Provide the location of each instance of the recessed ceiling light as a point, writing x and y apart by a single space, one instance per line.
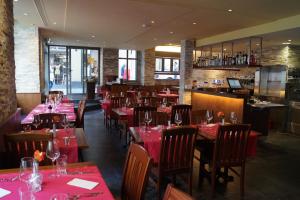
54 23
229 10
144 25
257 44
171 32
289 40
16 0
152 22
25 14
286 43
194 23
224 49
93 36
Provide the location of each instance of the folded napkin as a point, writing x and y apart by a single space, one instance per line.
83 183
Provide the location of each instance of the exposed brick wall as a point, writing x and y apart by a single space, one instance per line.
149 67
110 62
8 102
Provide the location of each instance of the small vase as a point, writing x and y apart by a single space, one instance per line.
36 179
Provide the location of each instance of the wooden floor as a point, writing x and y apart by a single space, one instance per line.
272 174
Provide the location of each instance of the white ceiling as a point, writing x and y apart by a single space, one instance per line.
118 23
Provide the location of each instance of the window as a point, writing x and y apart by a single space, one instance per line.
167 68
127 64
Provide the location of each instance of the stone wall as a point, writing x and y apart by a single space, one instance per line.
149 67
8 102
27 58
110 62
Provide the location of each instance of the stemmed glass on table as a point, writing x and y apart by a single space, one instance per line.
52 151
209 116
164 103
36 121
65 122
148 118
178 118
233 118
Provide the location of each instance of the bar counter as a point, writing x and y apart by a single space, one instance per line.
219 101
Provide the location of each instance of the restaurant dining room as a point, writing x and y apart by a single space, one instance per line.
142 100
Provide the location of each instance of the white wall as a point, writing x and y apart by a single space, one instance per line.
27 58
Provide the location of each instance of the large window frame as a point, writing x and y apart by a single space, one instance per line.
167 70
128 59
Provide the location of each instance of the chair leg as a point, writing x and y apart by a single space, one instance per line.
191 182
158 187
213 182
242 180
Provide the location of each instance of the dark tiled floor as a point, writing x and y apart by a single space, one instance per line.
272 174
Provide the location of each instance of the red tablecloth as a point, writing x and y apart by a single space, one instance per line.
168 95
212 129
70 150
63 108
59 185
105 105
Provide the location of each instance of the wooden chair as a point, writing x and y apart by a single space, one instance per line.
176 154
19 145
184 110
230 151
136 173
139 114
115 102
174 194
80 114
48 119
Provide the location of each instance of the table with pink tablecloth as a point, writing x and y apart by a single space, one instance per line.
62 108
56 185
124 114
105 105
210 131
168 95
71 149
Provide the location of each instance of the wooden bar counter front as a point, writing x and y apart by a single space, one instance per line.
225 102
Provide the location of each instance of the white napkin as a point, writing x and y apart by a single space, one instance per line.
83 183
4 192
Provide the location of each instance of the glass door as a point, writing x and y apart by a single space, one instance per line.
76 71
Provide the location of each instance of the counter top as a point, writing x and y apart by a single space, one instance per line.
266 105
223 94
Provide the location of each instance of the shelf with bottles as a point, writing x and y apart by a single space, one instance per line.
229 55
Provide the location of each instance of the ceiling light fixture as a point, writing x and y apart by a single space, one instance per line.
93 36
289 40
286 43
152 21
194 23
229 10
171 32
54 23
176 49
257 44
25 14
154 39
16 0
224 49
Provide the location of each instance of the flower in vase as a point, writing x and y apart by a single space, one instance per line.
221 115
39 155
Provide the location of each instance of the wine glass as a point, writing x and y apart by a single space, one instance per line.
146 102
178 118
52 152
26 169
209 116
164 103
36 121
127 102
65 122
233 117
147 118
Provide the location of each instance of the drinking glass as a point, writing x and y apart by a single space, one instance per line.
164 103
36 121
233 117
61 165
52 152
25 193
146 102
26 169
127 102
65 122
209 116
178 118
148 118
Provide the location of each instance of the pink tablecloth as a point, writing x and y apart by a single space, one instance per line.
105 104
64 108
59 185
71 150
168 95
212 129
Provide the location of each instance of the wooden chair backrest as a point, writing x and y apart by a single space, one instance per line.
48 119
80 114
136 173
184 110
139 114
197 116
175 194
116 102
177 148
152 101
231 145
24 144
162 118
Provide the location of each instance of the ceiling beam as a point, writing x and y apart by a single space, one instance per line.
275 26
